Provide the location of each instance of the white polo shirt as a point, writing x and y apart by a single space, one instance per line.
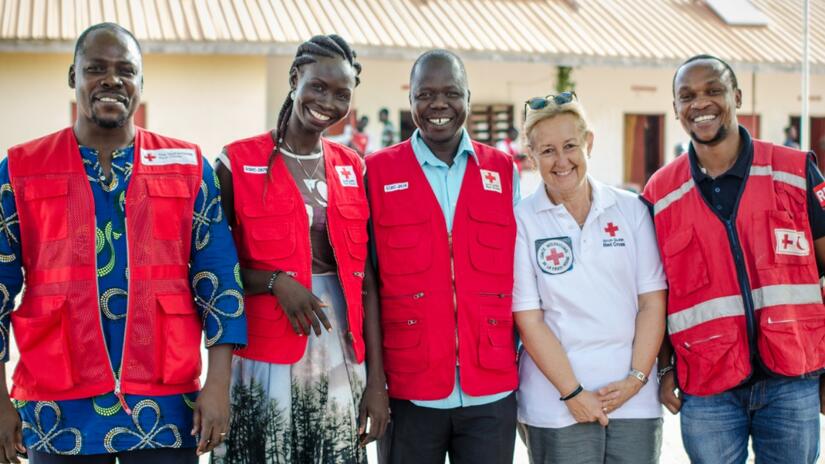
587 282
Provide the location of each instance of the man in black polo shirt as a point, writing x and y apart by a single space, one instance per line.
740 227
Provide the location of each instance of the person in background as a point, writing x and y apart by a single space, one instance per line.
791 137
301 390
510 145
446 276
589 304
360 139
110 324
387 130
741 228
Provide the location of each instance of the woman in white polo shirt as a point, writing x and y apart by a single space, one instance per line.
589 302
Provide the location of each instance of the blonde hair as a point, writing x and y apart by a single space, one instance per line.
573 107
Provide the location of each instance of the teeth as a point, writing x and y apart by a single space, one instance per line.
707 117
318 115
109 100
562 173
439 121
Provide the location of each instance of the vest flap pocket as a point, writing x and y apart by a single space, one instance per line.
278 231
793 338
405 237
181 304
41 332
685 263
496 344
402 217
492 239
786 241
404 347
482 212
45 188
402 334
711 358
353 210
358 234
677 242
276 208
167 187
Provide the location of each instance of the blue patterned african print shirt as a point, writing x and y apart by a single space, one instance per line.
100 425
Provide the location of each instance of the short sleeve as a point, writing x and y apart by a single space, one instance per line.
650 276
525 286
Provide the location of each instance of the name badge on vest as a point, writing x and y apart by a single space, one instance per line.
397 186
791 242
254 169
347 176
164 156
491 180
554 255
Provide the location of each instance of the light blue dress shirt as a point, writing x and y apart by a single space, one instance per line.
446 184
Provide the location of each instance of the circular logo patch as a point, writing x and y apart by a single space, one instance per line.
554 255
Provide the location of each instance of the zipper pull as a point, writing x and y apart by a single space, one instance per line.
121 398
418 295
358 274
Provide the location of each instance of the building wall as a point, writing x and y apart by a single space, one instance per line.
210 100
215 99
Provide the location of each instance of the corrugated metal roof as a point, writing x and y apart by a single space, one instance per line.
567 31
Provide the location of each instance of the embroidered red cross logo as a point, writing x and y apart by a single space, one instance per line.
611 229
490 177
345 173
554 256
150 157
786 241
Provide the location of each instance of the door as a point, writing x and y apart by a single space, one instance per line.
644 147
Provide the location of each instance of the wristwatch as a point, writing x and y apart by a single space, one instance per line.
663 371
639 375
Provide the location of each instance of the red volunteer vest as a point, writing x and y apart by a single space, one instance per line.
271 232
57 326
430 316
718 314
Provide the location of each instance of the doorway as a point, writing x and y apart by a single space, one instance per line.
644 147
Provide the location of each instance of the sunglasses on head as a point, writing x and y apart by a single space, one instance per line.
537 103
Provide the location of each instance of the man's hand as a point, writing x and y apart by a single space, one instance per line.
586 407
668 395
375 405
303 309
11 433
614 395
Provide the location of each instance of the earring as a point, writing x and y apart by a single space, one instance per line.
292 95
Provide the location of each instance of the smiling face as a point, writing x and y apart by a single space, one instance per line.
107 77
323 92
705 101
561 148
439 99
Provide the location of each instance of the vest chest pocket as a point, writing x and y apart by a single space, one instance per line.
45 204
355 216
41 331
685 264
781 240
404 247
491 248
169 201
179 337
270 232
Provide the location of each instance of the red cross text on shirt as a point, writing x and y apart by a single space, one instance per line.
611 229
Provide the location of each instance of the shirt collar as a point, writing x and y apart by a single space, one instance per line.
426 156
603 198
739 169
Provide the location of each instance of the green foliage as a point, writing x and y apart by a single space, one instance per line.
564 82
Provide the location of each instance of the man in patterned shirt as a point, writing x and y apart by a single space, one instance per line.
109 327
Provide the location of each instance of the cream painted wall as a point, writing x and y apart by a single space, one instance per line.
212 100
204 99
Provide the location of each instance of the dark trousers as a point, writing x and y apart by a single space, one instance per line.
482 434
153 456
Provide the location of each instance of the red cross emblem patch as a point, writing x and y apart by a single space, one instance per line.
554 255
347 176
791 242
491 180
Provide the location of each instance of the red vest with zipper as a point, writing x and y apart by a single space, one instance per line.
710 324
444 297
57 326
271 232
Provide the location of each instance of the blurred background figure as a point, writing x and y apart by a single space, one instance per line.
387 129
791 137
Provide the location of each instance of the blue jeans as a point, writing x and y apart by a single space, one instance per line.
781 415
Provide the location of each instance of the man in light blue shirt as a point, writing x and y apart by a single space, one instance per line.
472 429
